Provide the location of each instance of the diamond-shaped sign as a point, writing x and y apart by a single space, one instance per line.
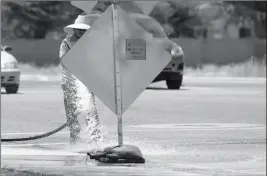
92 60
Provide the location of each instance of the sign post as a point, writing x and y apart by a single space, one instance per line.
118 102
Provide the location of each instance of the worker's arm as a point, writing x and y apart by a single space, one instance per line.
64 48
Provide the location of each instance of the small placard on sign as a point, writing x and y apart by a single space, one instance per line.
135 49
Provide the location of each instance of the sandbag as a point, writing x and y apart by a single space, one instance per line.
118 154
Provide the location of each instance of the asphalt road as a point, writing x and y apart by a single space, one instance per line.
212 126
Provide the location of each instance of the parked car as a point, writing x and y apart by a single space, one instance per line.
173 72
10 72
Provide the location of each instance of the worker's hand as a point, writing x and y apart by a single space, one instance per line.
118 154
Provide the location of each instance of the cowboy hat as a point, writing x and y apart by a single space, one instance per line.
81 22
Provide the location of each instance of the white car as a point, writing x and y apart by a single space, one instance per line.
10 72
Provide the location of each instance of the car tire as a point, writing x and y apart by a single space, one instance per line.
12 89
175 84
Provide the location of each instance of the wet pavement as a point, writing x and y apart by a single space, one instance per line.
210 127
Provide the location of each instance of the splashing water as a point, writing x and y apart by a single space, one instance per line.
90 114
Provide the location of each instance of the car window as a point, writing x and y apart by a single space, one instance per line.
151 26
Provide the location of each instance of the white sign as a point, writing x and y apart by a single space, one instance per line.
135 49
92 61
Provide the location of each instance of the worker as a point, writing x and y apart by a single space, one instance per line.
72 87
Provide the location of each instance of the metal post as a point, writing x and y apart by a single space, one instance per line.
117 69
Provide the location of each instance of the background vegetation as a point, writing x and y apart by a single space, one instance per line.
36 19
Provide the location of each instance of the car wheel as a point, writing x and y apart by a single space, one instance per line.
10 89
175 84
